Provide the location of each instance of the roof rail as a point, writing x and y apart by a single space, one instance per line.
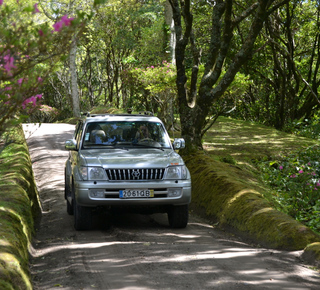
146 113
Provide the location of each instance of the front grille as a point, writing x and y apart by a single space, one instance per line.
135 174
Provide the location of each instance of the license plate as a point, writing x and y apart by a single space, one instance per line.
136 193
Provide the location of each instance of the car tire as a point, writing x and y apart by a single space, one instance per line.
178 216
82 217
67 194
69 208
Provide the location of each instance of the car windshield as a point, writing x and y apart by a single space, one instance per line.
125 134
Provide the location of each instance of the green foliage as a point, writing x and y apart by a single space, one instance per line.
155 79
228 159
306 128
295 179
155 88
284 70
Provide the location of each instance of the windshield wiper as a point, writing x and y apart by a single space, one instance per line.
103 146
147 146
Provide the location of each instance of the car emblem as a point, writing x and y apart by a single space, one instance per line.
135 173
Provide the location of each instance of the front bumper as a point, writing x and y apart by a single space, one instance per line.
111 193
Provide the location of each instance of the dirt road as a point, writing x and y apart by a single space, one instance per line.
141 252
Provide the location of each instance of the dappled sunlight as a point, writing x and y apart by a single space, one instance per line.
182 236
129 264
9 211
230 136
263 210
13 266
241 193
72 246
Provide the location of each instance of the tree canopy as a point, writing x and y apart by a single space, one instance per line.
253 60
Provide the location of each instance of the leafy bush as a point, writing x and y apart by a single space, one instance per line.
45 114
295 179
306 128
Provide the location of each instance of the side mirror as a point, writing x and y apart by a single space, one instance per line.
179 143
71 144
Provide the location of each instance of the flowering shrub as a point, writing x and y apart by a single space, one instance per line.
296 182
29 51
44 114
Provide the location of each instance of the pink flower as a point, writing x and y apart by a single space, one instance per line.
36 10
32 100
40 80
280 167
66 20
317 184
40 32
315 188
300 171
20 81
1 2
9 64
293 176
58 26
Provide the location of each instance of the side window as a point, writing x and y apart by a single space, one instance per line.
79 124
78 133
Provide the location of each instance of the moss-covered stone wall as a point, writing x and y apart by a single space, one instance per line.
229 197
19 207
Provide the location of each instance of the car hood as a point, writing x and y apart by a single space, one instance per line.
133 158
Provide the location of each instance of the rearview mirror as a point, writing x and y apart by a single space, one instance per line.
179 143
71 144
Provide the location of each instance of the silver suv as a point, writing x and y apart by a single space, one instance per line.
125 162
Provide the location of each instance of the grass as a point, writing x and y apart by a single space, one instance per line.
245 141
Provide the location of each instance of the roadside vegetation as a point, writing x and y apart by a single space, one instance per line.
19 209
286 165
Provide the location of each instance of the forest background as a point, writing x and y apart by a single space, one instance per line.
187 62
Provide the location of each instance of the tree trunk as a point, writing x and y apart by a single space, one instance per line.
169 21
195 110
73 74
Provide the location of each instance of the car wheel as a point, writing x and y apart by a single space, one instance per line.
69 208
82 217
67 194
178 216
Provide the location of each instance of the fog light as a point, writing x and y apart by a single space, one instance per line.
96 193
174 192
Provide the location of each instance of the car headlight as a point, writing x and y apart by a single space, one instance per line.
93 173
176 172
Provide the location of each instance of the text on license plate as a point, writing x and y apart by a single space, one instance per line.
135 193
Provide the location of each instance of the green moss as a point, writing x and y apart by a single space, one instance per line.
19 206
231 197
311 254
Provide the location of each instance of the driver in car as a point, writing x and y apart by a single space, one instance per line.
142 133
